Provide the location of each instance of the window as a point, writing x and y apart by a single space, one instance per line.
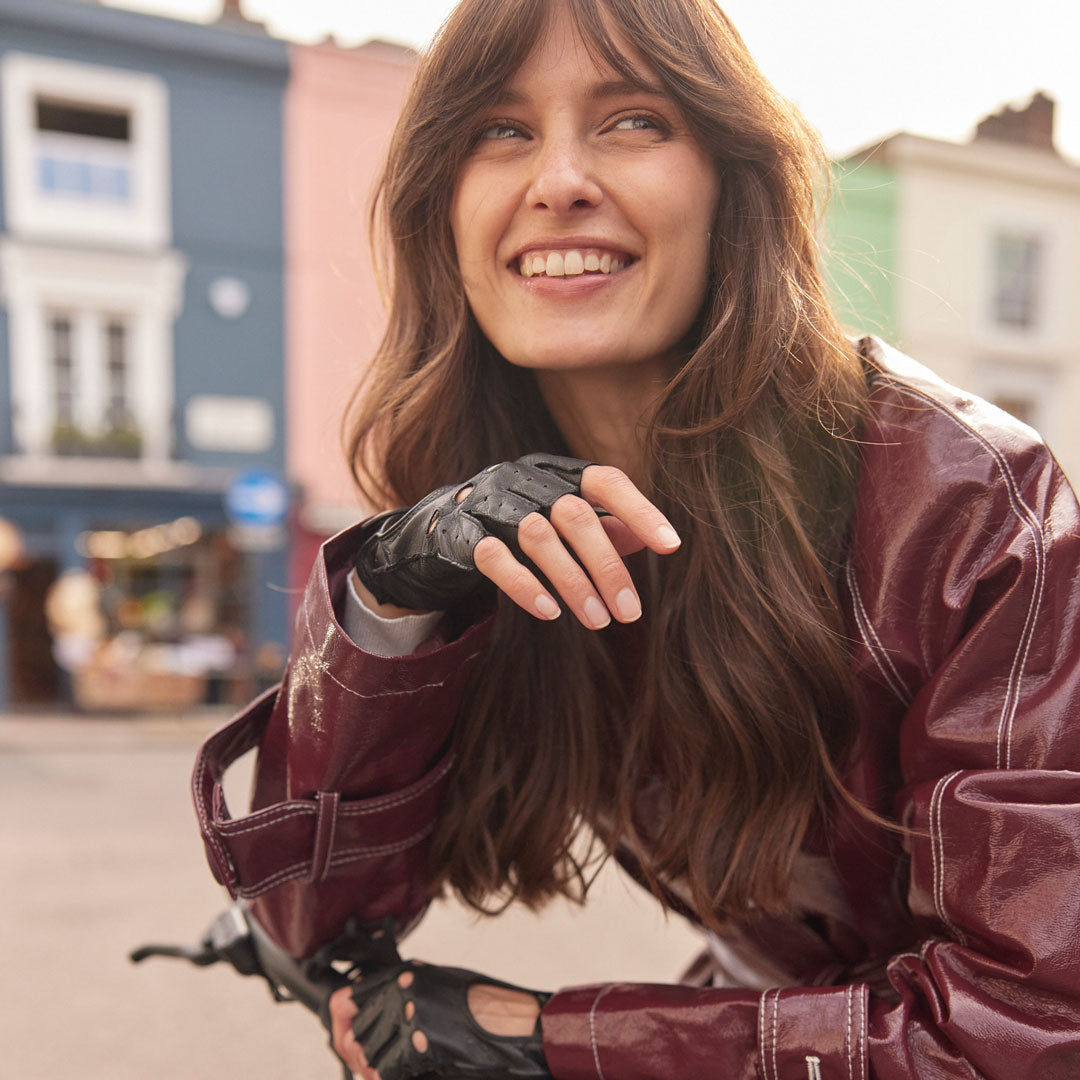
92 413
91 349
1017 279
85 152
63 370
118 413
1026 389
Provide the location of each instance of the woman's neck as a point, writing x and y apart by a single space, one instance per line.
602 412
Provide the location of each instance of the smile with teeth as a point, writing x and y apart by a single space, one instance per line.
571 263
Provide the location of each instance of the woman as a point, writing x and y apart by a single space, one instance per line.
813 687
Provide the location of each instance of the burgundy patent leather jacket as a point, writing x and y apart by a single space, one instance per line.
952 952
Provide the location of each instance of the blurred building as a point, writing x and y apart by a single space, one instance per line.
340 110
141 354
967 255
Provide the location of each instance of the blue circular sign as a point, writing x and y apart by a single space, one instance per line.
257 497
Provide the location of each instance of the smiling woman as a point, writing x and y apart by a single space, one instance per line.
576 250
811 690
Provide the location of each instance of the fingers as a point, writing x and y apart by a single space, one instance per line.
622 539
598 586
494 560
594 588
611 488
579 553
342 1011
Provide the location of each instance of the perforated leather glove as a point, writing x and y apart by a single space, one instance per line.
422 558
457 1045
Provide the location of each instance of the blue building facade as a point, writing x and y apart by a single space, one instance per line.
141 356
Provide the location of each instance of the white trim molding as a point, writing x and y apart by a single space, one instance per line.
141 217
91 287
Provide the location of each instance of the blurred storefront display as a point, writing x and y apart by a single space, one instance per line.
158 620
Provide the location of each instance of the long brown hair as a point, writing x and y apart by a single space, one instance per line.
709 755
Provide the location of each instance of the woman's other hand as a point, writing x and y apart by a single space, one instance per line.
342 1011
387 1013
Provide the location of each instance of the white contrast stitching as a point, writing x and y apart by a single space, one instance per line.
866 627
208 830
938 853
324 668
592 1029
761 1033
864 1019
813 1067
319 850
249 892
273 815
386 802
848 1038
1028 517
775 1019
229 828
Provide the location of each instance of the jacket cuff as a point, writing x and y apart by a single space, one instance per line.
352 721
642 1031
628 1031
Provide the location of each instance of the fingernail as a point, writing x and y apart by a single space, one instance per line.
547 607
628 606
668 537
596 613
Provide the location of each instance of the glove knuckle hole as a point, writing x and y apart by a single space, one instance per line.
434 521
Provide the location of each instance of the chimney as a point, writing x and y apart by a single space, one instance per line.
1031 126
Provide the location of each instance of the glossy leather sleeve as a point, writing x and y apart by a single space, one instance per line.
965 603
354 753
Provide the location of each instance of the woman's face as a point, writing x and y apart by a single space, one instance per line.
582 215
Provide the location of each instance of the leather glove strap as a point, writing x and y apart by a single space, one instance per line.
422 558
457 1045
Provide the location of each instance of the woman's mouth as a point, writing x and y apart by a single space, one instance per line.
572 263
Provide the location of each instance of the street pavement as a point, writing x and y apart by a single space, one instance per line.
99 853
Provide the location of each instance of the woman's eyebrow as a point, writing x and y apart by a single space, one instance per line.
621 87
600 91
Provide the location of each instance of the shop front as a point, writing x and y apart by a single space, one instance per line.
144 602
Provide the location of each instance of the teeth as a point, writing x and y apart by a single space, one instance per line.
574 264
570 263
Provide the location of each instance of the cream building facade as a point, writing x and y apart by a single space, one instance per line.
986 265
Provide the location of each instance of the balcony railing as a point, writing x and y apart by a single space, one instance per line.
122 441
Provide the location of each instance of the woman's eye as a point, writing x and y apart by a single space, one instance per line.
500 130
637 123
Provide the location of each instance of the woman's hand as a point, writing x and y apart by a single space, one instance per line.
596 585
540 507
414 1019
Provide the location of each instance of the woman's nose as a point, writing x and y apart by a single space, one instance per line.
563 178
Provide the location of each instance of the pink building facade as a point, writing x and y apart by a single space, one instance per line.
340 110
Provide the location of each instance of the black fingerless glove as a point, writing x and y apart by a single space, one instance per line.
423 557
457 1045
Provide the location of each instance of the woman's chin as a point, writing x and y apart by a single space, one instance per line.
558 357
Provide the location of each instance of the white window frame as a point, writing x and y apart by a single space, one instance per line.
144 219
93 286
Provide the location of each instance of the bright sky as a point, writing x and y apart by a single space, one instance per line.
859 70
